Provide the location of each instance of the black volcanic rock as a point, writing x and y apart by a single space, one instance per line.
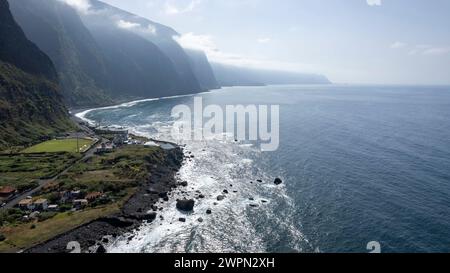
100 249
220 198
186 205
149 216
278 181
117 222
163 194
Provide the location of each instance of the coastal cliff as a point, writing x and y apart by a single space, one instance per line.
31 106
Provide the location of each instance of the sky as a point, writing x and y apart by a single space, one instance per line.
349 41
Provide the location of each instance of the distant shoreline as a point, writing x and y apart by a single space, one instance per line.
80 113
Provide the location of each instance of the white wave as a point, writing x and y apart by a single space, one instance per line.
82 115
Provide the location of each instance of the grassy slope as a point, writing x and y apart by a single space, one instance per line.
16 170
23 236
30 108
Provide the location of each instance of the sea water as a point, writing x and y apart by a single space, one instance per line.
358 164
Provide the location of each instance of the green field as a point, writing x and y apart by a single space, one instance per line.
18 170
61 145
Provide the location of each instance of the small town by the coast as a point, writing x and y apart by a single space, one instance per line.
61 183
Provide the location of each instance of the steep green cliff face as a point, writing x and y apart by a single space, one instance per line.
31 107
59 32
99 62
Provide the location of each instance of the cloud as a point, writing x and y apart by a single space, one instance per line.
436 51
136 26
151 28
127 25
197 42
263 40
206 44
429 50
398 45
80 5
373 2
171 9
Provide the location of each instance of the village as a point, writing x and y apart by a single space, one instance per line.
90 182
98 140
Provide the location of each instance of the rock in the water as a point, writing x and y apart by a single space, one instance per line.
163 194
278 181
185 205
251 199
100 249
220 197
254 205
201 196
182 219
259 180
184 183
225 191
149 216
208 211
166 199
200 220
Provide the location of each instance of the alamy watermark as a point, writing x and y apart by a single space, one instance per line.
247 123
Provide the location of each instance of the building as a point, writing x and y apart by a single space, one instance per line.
120 134
7 192
53 207
26 204
105 148
64 197
75 194
92 196
41 204
80 203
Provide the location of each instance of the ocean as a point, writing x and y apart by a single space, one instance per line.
359 164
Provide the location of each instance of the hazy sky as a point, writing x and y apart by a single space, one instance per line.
350 41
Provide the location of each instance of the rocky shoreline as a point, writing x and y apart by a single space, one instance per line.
141 207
